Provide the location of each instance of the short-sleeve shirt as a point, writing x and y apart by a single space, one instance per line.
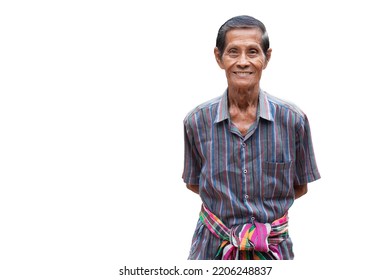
248 177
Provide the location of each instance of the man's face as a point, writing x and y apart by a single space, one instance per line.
243 59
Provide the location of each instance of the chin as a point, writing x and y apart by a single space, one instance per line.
243 85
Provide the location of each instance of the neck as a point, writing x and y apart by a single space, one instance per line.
243 99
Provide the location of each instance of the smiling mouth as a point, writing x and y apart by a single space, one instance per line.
243 74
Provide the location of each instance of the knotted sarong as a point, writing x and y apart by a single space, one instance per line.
252 241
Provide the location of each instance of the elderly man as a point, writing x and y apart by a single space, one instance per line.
248 155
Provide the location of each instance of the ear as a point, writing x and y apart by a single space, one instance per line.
267 57
218 58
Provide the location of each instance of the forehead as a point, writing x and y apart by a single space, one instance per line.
246 36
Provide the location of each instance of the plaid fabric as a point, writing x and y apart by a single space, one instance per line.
254 241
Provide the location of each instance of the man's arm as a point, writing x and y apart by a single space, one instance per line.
300 190
194 188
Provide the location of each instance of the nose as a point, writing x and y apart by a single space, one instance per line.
242 60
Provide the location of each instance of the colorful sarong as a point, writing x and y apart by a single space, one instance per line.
254 241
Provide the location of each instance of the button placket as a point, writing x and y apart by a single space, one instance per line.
244 168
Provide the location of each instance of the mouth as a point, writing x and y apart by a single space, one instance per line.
243 73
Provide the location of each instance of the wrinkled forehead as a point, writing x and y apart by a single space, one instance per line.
243 36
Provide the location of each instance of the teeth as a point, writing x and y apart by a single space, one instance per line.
243 73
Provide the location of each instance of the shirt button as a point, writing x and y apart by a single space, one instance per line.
253 218
243 144
246 196
245 171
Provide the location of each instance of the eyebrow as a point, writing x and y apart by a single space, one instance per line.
250 45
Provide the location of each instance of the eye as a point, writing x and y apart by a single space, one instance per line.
253 52
233 52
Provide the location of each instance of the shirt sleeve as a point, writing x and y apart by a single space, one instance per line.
192 166
306 170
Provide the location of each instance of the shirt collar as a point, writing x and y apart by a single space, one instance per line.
222 109
263 109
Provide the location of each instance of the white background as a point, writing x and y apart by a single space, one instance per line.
92 98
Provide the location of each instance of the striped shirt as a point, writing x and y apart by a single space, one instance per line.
243 178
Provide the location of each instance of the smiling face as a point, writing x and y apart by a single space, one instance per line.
243 59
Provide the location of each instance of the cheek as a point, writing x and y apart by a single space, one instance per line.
228 63
260 64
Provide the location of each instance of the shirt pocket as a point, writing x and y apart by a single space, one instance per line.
277 180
